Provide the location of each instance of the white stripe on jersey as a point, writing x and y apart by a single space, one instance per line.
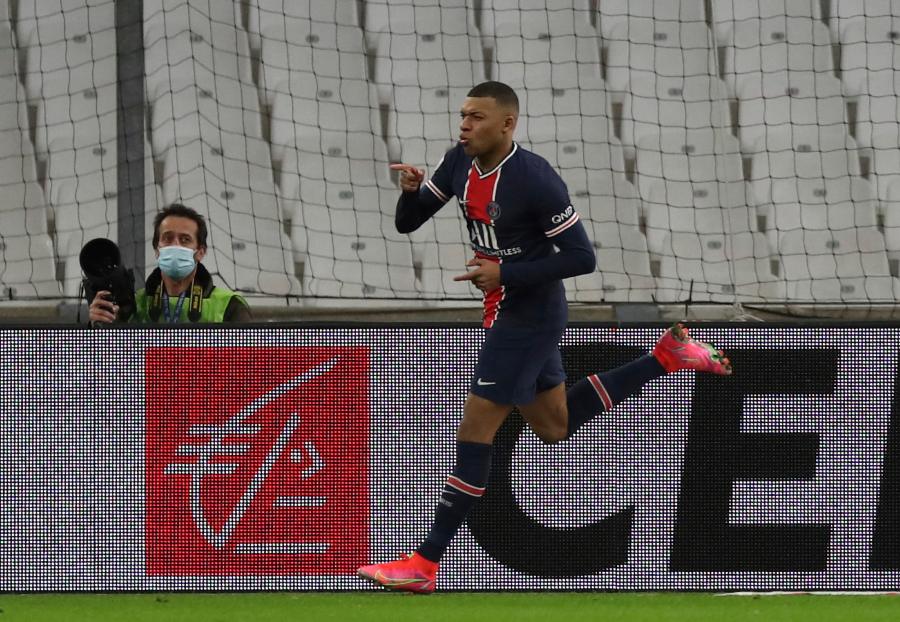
562 227
434 189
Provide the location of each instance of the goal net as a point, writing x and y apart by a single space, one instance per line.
717 151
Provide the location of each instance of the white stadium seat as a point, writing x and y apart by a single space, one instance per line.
710 207
8 60
727 13
694 155
216 109
613 13
175 60
774 101
777 44
847 13
350 247
803 151
69 51
76 120
623 266
869 54
836 266
297 52
642 49
840 204
406 57
716 268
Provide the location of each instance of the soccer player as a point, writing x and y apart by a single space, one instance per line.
518 214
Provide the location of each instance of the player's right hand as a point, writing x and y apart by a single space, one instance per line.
102 309
410 177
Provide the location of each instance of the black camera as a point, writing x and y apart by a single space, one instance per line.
101 262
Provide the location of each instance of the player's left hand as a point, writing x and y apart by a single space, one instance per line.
485 276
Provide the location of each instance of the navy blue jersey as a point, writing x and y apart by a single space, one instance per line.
517 214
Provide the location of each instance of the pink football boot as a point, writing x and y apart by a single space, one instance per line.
412 573
676 350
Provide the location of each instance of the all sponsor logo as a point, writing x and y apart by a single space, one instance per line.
256 460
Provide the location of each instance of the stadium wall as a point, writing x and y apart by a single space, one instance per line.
283 458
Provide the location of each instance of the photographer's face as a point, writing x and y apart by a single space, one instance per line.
180 231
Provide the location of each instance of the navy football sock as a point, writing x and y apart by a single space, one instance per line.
461 490
600 392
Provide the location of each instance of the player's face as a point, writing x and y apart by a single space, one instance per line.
485 126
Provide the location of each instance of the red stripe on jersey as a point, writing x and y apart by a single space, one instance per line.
491 299
492 302
480 192
460 485
601 391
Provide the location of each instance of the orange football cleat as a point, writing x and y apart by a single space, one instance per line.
411 573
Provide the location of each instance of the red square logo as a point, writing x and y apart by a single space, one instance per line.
257 460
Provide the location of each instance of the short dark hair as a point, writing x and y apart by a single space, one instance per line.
177 209
503 93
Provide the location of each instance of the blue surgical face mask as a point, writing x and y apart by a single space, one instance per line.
176 262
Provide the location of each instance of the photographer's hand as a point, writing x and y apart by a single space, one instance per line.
103 310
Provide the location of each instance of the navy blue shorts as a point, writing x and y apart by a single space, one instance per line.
515 364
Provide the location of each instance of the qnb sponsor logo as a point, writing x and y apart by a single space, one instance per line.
563 216
264 470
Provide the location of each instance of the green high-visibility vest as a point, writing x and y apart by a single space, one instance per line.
212 308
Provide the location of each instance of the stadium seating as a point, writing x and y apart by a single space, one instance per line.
623 266
27 259
297 50
777 44
727 13
643 50
868 54
776 101
845 14
892 227
613 13
278 120
713 267
352 249
841 204
8 68
66 51
802 151
836 266
175 59
710 207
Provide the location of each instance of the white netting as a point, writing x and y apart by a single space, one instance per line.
723 151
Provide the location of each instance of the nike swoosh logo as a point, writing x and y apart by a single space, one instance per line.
397 582
482 383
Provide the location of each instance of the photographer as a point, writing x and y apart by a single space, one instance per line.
180 289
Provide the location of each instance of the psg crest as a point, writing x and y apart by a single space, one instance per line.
493 210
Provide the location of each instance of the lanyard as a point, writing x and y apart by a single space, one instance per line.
171 319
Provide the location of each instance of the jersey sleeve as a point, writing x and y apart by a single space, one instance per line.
415 208
555 210
440 183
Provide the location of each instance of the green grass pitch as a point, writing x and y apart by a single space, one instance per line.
464 607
